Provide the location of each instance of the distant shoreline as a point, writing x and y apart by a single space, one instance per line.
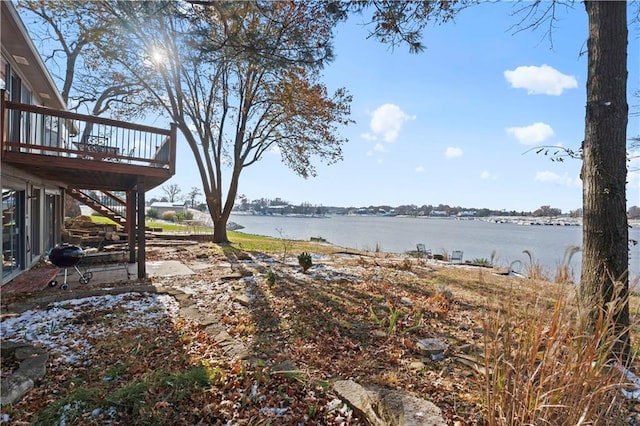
514 220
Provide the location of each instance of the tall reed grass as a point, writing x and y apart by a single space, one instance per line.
564 272
543 367
535 270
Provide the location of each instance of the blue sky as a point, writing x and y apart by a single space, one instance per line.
455 124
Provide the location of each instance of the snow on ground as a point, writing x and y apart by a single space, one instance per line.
66 328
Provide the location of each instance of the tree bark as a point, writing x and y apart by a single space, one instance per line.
220 231
605 235
219 219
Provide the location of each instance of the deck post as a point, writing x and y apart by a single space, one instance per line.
131 224
142 269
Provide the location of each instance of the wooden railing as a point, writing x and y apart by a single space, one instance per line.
38 130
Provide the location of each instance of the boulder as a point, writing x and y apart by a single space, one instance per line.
432 347
383 407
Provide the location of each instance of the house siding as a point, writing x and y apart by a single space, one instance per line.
31 207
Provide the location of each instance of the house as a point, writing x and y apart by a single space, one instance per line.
48 153
167 206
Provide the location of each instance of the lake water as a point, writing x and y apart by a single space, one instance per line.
476 238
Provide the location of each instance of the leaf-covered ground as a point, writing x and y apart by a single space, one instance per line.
140 359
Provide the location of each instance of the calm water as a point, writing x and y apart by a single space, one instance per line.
477 239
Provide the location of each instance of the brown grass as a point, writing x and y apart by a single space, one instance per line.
544 367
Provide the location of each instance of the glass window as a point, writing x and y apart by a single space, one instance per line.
12 231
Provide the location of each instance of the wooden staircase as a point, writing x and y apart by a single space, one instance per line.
110 206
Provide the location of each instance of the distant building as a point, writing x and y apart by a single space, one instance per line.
166 206
467 213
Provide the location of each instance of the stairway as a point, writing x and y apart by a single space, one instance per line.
110 206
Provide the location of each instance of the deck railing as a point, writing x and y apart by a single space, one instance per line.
38 130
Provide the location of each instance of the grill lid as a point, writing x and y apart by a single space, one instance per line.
65 255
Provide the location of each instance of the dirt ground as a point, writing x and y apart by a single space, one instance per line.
354 316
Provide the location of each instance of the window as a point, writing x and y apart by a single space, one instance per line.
12 231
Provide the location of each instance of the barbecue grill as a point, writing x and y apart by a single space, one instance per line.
66 256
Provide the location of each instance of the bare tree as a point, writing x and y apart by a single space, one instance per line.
172 192
193 194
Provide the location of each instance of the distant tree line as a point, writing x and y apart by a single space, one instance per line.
266 205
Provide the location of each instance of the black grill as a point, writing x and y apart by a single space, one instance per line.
66 256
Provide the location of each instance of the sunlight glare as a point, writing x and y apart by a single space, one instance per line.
158 56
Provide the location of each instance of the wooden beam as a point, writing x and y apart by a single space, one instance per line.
142 268
131 224
173 146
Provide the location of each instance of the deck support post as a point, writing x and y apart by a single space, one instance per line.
131 222
142 269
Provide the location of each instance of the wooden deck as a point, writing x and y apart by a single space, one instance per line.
84 151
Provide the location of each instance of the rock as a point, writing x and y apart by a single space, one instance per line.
242 299
432 347
32 368
382 407
8 348
233 276
230 346
14 388
416 365
191 312
232 226
25 352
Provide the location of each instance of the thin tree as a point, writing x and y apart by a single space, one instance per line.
193 194
172 192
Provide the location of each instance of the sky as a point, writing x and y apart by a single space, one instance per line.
457 124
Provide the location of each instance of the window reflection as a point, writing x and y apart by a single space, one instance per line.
11 213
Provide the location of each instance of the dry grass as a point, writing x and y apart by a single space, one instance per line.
545 367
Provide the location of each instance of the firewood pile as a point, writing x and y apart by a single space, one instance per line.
83 231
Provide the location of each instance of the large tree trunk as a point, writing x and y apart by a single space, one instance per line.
220 231
605 259
218 218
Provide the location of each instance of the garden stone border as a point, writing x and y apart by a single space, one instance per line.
33 366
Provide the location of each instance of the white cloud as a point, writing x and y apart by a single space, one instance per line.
543 80
547 176
533 134
419 169
368 137
486 175
378 147
387 121
453 152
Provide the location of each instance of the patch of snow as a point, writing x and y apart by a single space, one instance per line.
277 411
61 329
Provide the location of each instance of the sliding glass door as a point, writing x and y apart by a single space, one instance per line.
13 229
